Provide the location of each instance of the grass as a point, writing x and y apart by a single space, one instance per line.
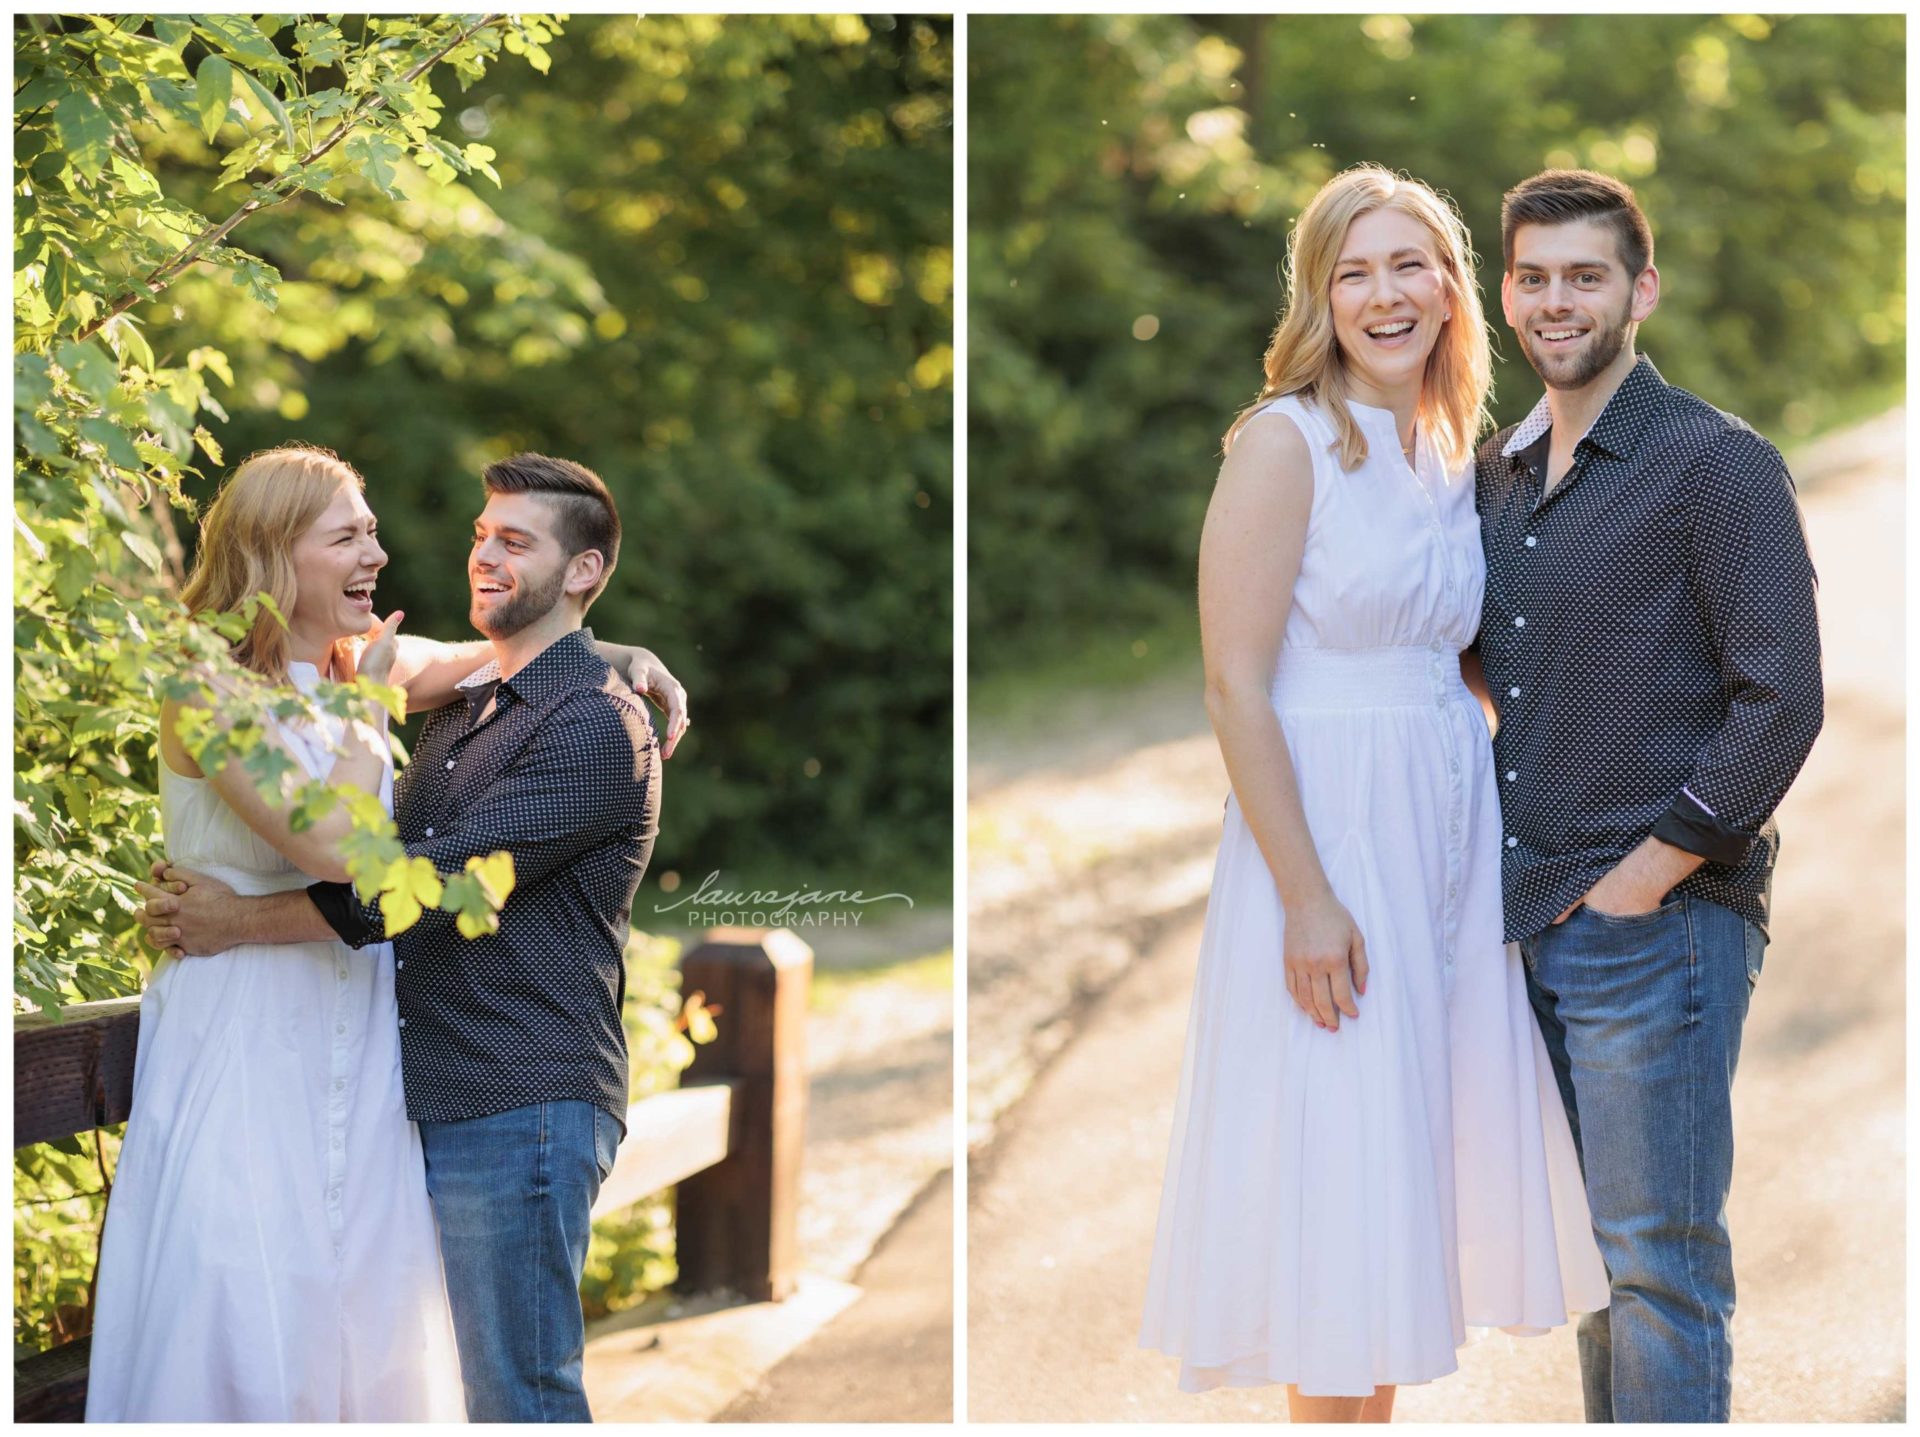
1018 693
833 987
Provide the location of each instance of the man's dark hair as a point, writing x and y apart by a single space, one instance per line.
1554 197
583 513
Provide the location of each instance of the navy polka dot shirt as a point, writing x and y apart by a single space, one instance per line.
1650 640
565 776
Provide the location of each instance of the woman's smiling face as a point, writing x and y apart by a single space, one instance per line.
1389 300
336 562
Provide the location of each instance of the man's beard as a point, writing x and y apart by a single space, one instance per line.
527 606
1603 347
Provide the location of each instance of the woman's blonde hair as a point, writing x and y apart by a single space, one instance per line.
247 538
1304 356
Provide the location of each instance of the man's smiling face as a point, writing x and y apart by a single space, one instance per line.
1571 300
517 571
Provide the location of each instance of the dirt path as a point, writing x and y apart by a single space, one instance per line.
889 1357
1084 932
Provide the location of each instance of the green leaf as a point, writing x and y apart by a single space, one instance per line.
112 438
43 89
133 344
375 155
495 873
276 109
206 441
259 280
90 367
40 441
240 37
85 132
173 31
319 42
423 881
142 548
213 92
480 157
74 576
32 383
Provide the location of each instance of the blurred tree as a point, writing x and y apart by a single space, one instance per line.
720 274
1131 183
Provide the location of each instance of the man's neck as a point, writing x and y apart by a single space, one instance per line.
517 651
1574 410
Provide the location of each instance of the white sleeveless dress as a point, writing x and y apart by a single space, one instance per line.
1340 1208
269 1252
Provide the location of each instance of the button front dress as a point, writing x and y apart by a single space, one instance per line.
1339 1209
269 1253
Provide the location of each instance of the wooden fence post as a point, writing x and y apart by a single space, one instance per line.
736 1222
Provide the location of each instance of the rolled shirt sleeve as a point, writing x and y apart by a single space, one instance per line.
1754 583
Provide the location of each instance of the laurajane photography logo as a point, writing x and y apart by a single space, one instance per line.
710 905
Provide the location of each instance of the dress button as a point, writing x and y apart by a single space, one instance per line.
1519 621
338 1084
339 1027
1531 541
449 763
1513 693
1511 843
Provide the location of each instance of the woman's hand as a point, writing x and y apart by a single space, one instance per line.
1326 960
651 679
383 647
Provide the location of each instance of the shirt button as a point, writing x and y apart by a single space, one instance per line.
1511 775
1513 693
403 1021
1511 843
449 763
1519 621
1531 541
429 833
400 963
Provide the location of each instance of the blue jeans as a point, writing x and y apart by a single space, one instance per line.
1642 1017
512 1193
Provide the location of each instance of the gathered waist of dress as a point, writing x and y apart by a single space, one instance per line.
1393 677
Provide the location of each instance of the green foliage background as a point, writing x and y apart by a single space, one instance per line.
1131 166
709 257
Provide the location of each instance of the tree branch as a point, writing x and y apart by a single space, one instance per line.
173 268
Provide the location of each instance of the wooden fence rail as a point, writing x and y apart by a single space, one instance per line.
729 1137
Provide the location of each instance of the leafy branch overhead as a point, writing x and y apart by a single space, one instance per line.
106 428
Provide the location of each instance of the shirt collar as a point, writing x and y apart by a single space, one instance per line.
560 665
1616 428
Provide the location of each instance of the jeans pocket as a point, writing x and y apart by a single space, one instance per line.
606 1141
1635 920
1756 955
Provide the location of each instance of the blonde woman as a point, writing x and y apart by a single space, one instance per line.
269 1253
1369 1154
